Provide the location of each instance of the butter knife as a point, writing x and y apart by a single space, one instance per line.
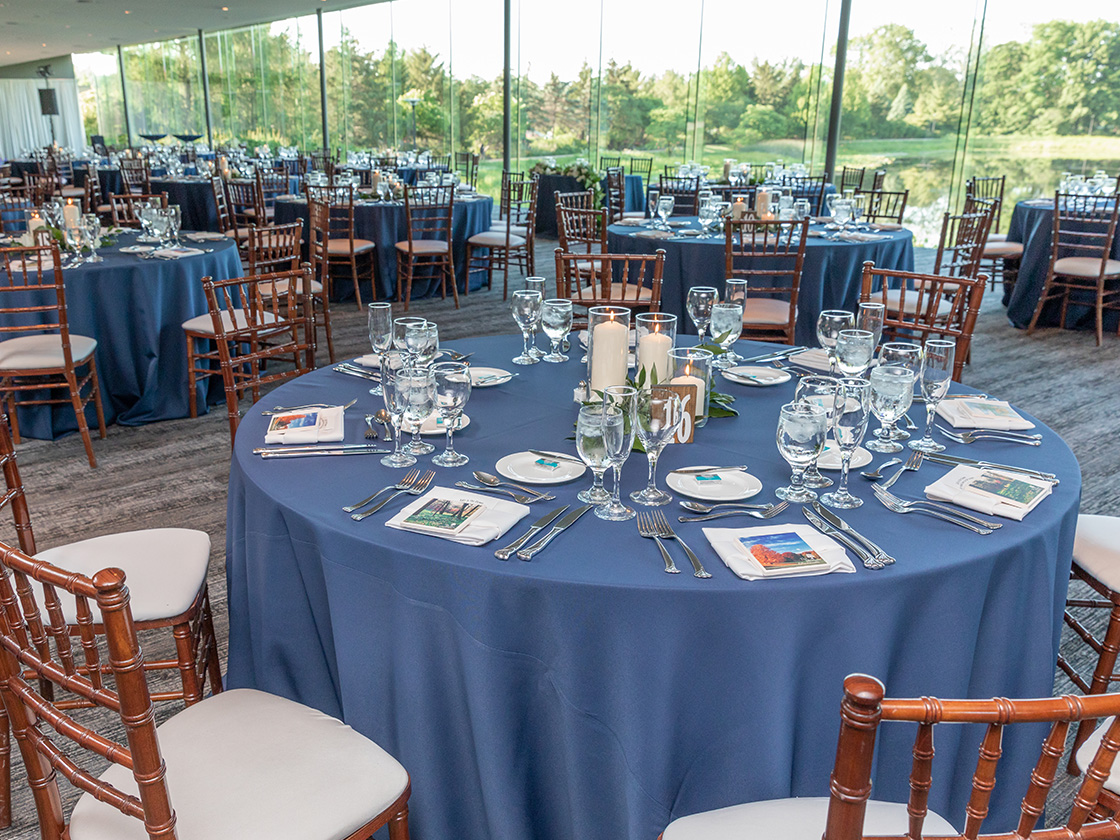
360 374
566 522
769 357
708 470
311 447
955 460
540 524
836 522
542 454
868 561
309 453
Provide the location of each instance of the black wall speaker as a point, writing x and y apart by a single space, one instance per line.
48 102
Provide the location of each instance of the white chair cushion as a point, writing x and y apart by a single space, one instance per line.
1085 267
237 233
1096 547
41 352
335 247
245 764
792 819
204 324
766 311
633 214
424 246
515 230
281 287
997 237
72 192
619 292
164 568
1089 749
1002 250
910 305
496 239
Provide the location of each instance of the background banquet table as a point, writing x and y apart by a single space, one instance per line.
1032 223
830 278
726 192
195 198
587 693
384 223
135 309
548 185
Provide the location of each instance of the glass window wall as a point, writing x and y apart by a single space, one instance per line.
164 82
100 96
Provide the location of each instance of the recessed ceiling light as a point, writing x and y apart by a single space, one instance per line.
225 8
127 12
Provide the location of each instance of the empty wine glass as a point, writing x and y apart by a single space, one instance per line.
652 199
657 416
453 389
801 432
892 392
823 391
592 449
665 205
870 317
92 225
379 317
829 324
854 351
619 402
396 401
526 308
400 329
701 299
421 392
535 284
556 322
937 371
727 326
850 427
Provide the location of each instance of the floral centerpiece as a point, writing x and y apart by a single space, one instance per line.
587 175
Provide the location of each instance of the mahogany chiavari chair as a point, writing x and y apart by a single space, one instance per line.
343 248
962 242
225 217
124 209
883 206
136 174
466 164
642 166
630 280
851 178
879 179
685 192
246 204
581 230
616 196
427 250
810 187
14 201
849 813
94 201
770 256
609 162
503 247
1000 258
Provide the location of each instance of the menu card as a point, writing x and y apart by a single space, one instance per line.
773 551
320 425
977 413
1012 495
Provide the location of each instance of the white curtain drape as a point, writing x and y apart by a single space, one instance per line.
23 127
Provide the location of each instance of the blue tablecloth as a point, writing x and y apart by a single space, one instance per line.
385 224
830 278
587 693
551 184
195 198
135 309
1032 223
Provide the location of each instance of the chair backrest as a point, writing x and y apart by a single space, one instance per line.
503 199
340 217
631 280
987 187
770 256
608 162
616 192
962 243
808 186
92 186
40 187
864 710
136 174
274 248
642 166
125 208
221 203
685 192
13 202
851 178
882 205
582 200
581 230
33 295
428 211
1084 226
879 179
272 183
522 208
14 495
246 203
318 241
265 327
926 306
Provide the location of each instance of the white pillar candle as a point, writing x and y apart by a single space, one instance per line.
608 355
653 354
71 214
35 223
762 204
688 379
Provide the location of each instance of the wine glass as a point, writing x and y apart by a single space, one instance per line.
592 449
851 425
829 324
526 308
618 437
556 322
825 392
727 326
700 302
421 402
842 212
174 222
396 401
535 284
92 225
453 389
854 351
657 416
908 355
400 329
870 317
892 392
380 321
421 341
652 199
801 432
937 371
665 205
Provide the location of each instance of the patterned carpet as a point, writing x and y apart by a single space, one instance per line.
175 473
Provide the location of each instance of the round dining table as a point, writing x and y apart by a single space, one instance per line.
587 693
550 184
195 198
831 275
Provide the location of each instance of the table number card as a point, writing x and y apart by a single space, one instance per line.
688 394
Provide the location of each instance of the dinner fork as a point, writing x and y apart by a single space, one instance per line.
415 490
666 530
912 463
646 529
973 435
403 484
769 513
984 523
899 507
517 497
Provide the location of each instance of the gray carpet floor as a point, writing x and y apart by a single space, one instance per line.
176 472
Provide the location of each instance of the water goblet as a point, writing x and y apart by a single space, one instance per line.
535 284
556 323
379 317
937 371
851 425
801 209
92 226
657 416
174 222
829 201
701 299
421 341
854 351
421 402
400 329
453 389
871 316
592 449
829 325
619 402
727 326
892 392
825 392
801 432
396 401
842 212
526 308
665 205
905 354
652 198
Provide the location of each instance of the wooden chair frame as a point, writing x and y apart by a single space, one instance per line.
609 162
136 175
774 253
884 206
428 213
610 280
277 248
581 229
990 187
616 193
961 245
879 179
685 192
122 208
358 255
851 178
642 166
521 213
13 201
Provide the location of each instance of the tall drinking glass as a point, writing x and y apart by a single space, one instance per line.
665 205
892 392
851 425
870 317
535 284
379 317
801 432
422 342
395 393
829 324
453 389
701 299
652 199
400 329
92 225
619 402
937 371
556 323
592 449
825 392
657 415
854 351
526 308
727 326
906 354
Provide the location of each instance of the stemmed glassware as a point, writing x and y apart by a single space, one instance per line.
870 317
801 432
892 392
556 323
727 326
421 341
653 197
619 402
421 402
400 330
526 308
829 324
92 225
535 284
701 299
453 389
174 222
395 391
657 416
380 321
591 445
665 205
825 392
937 371
854 351
851 425
905 354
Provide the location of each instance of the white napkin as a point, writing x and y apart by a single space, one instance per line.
328 427
632 338
855 236
951 487
206 236
370 360
982 414
726 542
817 359
497 517
177 253
885 226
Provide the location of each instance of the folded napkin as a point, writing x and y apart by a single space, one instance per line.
982 414
885 226
497 517
654 234
728 544
689 232
631 222
820 220
370 360
177 253
817 359
855 236
1011 495
319 425
206 236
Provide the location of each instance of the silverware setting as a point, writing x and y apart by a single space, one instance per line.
665 531
769 513
877 473
944 507
328 449
769 357
494 481
912 463
973 435
280 409
700 507
534 529
543 454
403 484
521 498
878 555
486 379
956 460
865 557
370 433
359 372
382 417
414 488
565 523
647 529
893 503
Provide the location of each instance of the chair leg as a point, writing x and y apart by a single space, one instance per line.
192 379
357 280
1100 311
1042 300
398 825
13 415
449 267
210 640
5 769
185 653
79 411
1102 677
97 397
327 326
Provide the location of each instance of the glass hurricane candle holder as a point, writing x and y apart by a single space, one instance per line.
608 346
693 366
656 334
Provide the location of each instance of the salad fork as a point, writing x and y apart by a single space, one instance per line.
416 489
973 435
769 513
902 507
665 530
520 498
646 529
984 523
912 463
403 484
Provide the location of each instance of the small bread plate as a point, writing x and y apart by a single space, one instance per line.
488 377
757 376
715 487
538 469
136 249
433 425
830 458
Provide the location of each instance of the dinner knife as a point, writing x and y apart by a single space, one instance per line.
309 453
542 454
956 460
768 357
539 525
311 447
836 522
566 522
358 373
864 557
707 470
